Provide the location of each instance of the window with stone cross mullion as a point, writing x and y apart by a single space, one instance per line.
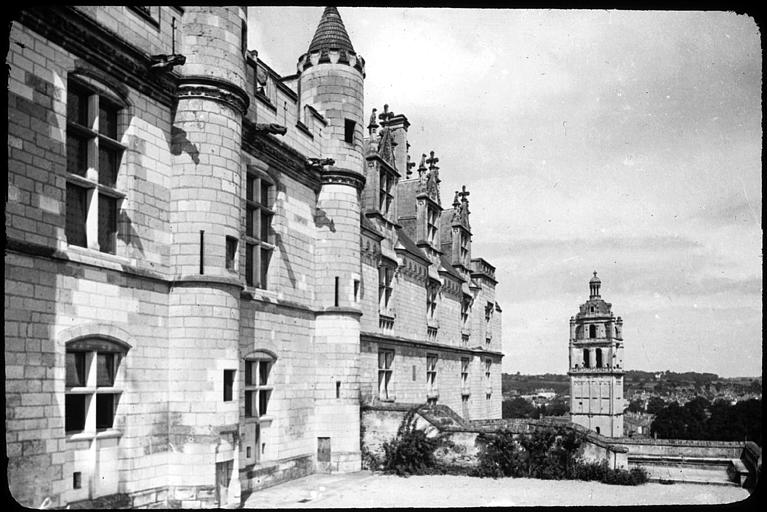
385 362
93 162
385 275
464 373
431 373
257 388
259 239
431 302
90 396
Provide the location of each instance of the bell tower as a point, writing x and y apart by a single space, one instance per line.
596 365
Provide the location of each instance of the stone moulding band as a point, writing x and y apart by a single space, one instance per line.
337 176
101 48
214 89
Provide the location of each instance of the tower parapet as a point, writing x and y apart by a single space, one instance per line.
596 365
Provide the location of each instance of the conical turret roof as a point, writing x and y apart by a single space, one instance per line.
331 33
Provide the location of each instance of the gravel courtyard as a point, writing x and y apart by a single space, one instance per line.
366 489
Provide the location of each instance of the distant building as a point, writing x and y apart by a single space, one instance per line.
596 366
637 424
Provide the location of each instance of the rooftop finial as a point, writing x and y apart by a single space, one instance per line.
594 285
372 125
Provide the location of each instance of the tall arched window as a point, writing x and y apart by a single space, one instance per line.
92 378
599 358
592 331
586 362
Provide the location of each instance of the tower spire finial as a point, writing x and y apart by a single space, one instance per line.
594 285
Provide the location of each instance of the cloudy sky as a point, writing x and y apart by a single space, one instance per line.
618 141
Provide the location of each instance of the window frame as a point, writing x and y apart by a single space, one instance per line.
465 365
386 182
90 386
432 386
385 374
432 224
92 230
488 383
385 288
258 234
256 386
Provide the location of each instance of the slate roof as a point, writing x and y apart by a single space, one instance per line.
331 33
409 245
445 261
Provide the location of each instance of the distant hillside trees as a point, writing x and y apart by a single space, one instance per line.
522 408
720 421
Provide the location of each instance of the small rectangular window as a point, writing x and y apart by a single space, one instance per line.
349 126
228 385
231 252
77 480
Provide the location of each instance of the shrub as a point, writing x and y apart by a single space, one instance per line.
500 456
410 452
546 453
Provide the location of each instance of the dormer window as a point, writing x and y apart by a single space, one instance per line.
464 248
385 195
432 218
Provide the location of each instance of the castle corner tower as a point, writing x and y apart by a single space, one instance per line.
596 365
331 78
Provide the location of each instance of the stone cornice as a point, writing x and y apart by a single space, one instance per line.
338 176
278 154
372 336
215 89
101 48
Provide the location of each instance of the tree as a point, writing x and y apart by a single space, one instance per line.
655 404
518 408
635 406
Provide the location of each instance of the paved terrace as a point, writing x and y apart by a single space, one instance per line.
365 489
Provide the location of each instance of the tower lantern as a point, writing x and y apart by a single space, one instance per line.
596 365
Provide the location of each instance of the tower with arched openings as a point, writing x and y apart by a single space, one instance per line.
596 365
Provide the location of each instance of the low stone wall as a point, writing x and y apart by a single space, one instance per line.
381 421
682 448
273 473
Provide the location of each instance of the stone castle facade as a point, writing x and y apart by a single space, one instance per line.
210 268
596 365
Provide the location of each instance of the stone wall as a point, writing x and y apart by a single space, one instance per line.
381 421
